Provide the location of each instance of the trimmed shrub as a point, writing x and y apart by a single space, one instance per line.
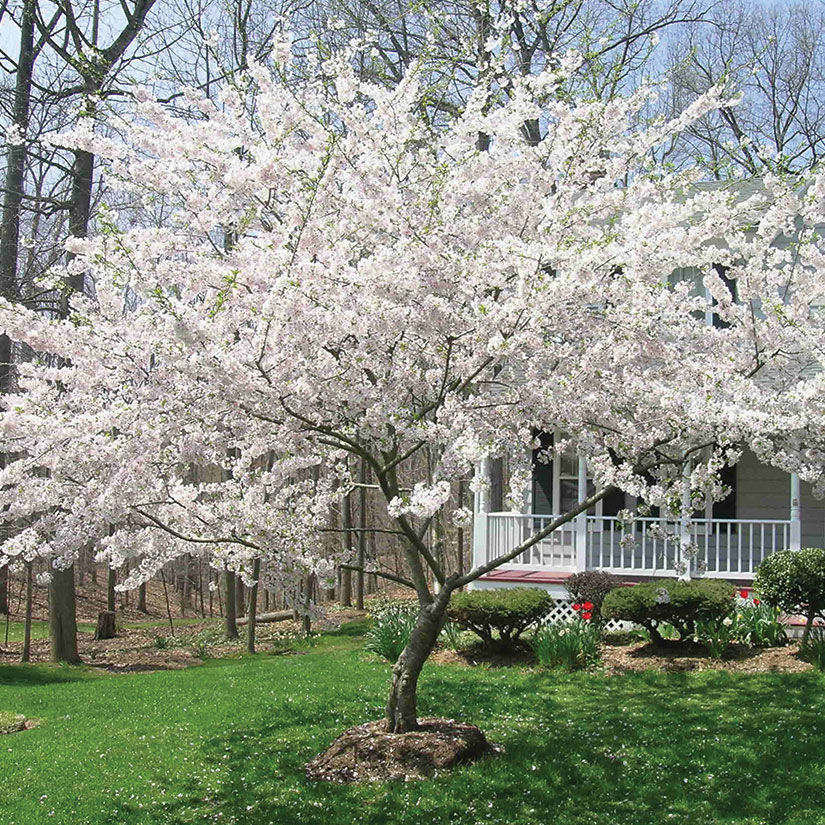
391 629
572 646
499 617
794 581
669 601
592 586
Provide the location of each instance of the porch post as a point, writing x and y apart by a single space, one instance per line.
684 526
581 520
796 513
481 507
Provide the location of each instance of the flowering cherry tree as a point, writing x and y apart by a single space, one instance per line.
334 277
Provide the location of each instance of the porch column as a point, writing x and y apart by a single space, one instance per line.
581 520
481 507
796 513
684 526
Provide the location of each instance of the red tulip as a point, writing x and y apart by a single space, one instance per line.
756 601
743 594
587 615
577 607
588 605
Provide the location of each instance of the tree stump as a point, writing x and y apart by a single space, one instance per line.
105 625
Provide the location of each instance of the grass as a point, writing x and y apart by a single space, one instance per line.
40 630
226 742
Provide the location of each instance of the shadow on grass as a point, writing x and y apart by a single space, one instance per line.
641 748
40 674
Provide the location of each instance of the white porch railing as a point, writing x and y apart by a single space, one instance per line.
647 546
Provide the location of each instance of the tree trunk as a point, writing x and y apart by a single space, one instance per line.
141 604
105 625
4 589
240 594
16 154
345 594
230 628
111 578
252 609
402 713
25 656
62 622
361 557
809 623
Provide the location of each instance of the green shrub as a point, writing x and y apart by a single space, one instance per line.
499 616
679 603
163 642
592 586
572 646
391 629
758 625
794 582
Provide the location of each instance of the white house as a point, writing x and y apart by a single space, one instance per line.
766 511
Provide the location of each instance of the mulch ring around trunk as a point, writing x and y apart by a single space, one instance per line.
368 753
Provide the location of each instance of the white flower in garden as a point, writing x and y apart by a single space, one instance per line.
662 596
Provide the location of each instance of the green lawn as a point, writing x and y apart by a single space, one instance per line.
226 742
40 629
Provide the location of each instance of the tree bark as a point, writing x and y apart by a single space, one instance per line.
230 628
111 578
240 595
809 623
105 625
363 476
141 604
402 710
252 609
62 621
345 594
25 656
4 589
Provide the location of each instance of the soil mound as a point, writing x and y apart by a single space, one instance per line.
368 753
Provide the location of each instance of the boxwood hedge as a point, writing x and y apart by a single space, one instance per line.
678 603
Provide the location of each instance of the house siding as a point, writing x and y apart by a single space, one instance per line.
764 492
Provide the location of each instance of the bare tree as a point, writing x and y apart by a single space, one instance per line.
774 56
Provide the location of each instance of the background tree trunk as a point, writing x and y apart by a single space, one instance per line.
25 656
111 578
345 595
62 621
141 602
105 625
230 628
361 557
240 595
252 609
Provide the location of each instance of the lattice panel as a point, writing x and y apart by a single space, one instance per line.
563 612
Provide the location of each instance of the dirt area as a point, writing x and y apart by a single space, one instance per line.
157 648
640 656
689 656
367 753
